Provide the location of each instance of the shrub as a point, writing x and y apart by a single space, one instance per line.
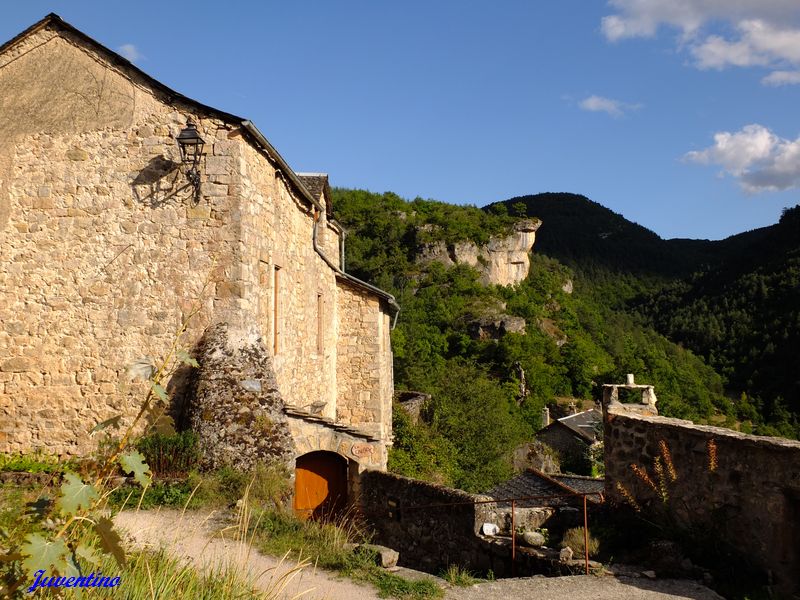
170 455
574 539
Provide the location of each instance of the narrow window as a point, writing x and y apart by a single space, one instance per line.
276 306
381 339
320 324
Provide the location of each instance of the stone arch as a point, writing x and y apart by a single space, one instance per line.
321 485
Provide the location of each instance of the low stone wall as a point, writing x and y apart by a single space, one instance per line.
432 526
427 538
741 490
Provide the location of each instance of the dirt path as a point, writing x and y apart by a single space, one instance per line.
197 538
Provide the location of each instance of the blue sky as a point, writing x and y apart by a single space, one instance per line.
681 115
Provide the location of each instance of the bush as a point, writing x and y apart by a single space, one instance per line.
574 539
173 455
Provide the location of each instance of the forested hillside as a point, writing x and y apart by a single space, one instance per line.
571 342
735 302
744 317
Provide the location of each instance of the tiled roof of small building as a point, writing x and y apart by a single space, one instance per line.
547 490
585 423
585 485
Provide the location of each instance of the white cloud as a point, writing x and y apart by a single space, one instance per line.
759 159
748 33
130 52
615 108
777 78
759 43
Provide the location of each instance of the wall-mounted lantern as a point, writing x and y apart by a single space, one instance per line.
191 146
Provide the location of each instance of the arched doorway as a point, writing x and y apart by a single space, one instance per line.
320 485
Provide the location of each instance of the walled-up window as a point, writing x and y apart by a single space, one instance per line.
320 323
381 340
276 309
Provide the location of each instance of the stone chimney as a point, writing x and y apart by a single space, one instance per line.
545 417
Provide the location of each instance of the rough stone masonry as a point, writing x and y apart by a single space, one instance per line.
104 252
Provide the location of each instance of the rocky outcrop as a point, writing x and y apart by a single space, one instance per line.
502 261
236 410
495 327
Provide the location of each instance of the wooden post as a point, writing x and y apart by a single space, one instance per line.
513 538
586 534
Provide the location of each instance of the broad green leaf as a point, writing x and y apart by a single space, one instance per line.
110 540
141 368
159 391
42 554
183 356
133 464
112 422
75 494
88 554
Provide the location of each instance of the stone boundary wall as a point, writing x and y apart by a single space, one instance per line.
430 538
427 539
743 489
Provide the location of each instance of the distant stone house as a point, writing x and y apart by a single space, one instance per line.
105 245
572 436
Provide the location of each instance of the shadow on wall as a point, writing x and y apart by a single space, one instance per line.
157 183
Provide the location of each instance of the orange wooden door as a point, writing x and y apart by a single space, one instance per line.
320 485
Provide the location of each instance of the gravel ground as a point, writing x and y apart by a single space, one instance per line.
583 587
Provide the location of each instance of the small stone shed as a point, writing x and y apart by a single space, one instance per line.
572 436
552 501
106 248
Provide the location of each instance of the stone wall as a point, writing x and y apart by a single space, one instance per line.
571 449
427 538
236 409
364 362
743 490
104 252
432 526
277 246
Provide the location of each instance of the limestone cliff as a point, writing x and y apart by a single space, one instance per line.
502 261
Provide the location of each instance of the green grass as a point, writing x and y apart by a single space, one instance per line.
330 546
215 489
154 575
33 463
458 576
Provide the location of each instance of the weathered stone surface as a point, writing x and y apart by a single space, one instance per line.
743 488
533 538
238 425
413 403
503 261
106 250
384 557
495 327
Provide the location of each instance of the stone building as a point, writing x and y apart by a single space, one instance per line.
107 245
572 437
